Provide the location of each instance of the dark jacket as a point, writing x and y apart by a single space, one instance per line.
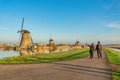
99 47
91 48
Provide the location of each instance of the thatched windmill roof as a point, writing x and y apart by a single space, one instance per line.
51 40
25 31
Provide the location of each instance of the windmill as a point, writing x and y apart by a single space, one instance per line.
25 37
77 43
51 45
51 42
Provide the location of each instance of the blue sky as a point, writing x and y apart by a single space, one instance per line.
66 20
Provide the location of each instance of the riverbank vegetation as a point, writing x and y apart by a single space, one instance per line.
45 58
114 58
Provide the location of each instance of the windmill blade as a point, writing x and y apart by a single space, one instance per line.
31 39
18 31
20 36
22 23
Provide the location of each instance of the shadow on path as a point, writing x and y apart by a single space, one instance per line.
100 72
81 66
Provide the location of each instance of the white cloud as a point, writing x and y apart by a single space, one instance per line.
114 25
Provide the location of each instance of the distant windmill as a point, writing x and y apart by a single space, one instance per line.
77 43
51 45
51 42
25 38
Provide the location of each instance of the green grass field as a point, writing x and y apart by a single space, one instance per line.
45 58
114 58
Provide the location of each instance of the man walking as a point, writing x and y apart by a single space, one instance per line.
99 50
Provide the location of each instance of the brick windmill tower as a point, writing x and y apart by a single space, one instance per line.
25 38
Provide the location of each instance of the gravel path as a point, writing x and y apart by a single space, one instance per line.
79 69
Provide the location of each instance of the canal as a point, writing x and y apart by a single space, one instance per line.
4 54
116 49
12 53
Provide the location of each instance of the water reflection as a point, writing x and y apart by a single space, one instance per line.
25 52
4 54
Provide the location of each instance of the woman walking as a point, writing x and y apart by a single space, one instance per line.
91 50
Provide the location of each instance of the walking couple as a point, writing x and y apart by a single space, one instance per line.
98 49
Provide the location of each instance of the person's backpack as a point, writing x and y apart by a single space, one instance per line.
99 47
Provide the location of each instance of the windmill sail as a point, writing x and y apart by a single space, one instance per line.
31 39
21 26
20 36
22 23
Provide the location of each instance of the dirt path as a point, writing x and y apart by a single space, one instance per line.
80 69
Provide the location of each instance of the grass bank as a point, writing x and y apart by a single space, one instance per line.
45 58
114 58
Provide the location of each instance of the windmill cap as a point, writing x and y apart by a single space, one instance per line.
51 40
25 31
